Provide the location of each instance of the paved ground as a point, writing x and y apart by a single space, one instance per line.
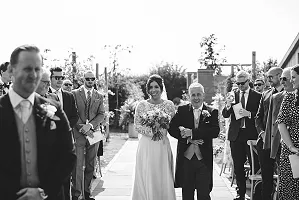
116 183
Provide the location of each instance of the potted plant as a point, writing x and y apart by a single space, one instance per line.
127 112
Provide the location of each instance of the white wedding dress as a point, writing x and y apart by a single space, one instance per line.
154 177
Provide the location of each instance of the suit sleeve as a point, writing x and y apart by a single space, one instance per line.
73 118
268 128
100 114
259 124
174 130
208 131
227 112
65 158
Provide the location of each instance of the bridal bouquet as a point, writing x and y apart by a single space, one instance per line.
157 120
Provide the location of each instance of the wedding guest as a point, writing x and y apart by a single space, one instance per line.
91 114
38 153
288 121
43 86
154 161
266 162
67 102
1 88
67 85
259 85
5 76
195 125
243 129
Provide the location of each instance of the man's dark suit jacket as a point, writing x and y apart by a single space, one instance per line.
262 113
252 106
55 151
272 140
69 107
208 129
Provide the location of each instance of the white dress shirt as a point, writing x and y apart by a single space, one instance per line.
16 99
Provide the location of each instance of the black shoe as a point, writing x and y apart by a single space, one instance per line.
238 197
87 196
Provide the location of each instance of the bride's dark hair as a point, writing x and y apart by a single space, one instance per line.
296 69
158 79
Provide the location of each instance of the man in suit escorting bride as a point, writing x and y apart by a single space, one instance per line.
195 125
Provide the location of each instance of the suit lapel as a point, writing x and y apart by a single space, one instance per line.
191 114
248 102
82 94
93 97
63 98
9 115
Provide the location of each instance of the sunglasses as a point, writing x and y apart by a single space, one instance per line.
241 83
58 77
283 79
68 84
90 79
258 84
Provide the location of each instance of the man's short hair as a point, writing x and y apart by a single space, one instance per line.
46 71
55 69
88 72
196 85
276 69
242 74
260 79
14 58
3 67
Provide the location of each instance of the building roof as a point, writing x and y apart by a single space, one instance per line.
294 46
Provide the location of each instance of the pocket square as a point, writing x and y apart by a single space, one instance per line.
52 125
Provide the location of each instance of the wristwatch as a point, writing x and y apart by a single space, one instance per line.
42 193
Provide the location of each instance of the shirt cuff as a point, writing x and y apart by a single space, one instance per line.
249 115
91 126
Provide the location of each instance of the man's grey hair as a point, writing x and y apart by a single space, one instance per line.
287 70
196 85
242 74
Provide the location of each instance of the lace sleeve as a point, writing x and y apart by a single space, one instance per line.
139 128
170 108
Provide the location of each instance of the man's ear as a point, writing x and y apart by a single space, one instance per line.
10 69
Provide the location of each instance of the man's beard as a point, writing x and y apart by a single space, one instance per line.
88 86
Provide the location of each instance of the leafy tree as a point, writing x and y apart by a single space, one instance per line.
174 77
269 63
210 57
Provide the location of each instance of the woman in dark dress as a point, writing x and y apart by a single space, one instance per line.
288 124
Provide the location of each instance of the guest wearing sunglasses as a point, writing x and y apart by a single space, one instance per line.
242 129
43 86
91 115
267 163
259 85
69 106
67 85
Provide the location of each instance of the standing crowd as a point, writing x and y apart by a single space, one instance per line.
46 125
270 117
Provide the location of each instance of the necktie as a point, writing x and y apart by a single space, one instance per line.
25 110
243 105
197 113
87 105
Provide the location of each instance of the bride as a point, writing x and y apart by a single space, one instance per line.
154 162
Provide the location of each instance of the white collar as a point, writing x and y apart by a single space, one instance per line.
246 91
279 88
53 90
86 90
200 107
15 98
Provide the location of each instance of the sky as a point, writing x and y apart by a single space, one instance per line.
157 30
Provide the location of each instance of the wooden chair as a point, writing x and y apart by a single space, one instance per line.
255 178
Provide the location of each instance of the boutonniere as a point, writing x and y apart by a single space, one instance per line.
47 111
205 114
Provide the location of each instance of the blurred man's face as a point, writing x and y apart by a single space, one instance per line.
67 85
273 78
196 96
89 80
5 76
259 86
243 83
44 84
56 80
27 73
